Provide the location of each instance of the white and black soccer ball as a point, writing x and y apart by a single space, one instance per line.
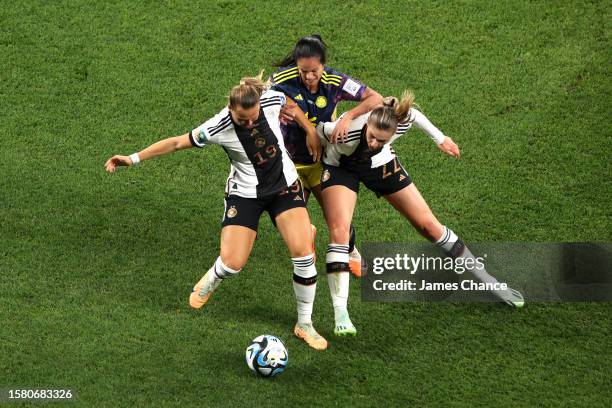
267 356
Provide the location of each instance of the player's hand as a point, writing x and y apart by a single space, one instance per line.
313 144
287 114
340 133
449 147
115 161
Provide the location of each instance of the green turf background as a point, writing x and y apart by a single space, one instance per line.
96 269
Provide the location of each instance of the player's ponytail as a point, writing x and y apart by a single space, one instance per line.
392 112
403 106
306 47
247 93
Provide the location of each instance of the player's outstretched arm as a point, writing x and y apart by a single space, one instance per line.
444 143
369 100
166 146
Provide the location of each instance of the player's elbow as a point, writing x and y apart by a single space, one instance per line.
181 142
373 97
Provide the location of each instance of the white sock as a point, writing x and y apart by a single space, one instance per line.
304 286
454 247
338 277
447 240
220 271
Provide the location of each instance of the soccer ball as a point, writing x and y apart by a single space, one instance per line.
267 356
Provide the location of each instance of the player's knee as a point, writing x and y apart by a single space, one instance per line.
233 262
339 232
301 252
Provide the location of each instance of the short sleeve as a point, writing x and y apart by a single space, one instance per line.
351 89
273 97
324 130
208 131
285 81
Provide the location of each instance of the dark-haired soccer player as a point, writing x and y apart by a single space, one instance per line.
317 89
366 157
262 178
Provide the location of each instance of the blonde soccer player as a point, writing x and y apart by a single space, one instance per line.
262 178
366 157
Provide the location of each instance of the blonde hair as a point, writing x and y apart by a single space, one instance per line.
393 111
247 93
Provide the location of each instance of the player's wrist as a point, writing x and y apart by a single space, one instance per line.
135 159
311 131
348 115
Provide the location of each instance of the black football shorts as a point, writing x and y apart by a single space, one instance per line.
387 179
247 211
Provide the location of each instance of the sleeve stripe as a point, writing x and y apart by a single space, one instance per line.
280 75
332 76
272 103
402 129
222 122
286 78
219 129
330 82
269 105
285 75
350 139
271 99
354 135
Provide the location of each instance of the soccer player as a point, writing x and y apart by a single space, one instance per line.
367 157
262 178
317 90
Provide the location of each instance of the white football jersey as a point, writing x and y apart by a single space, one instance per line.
260 165
356 146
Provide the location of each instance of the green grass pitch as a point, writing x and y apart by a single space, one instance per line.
96 269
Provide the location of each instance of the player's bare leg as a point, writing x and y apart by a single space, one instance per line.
338 219
236 245
411 205
313 229
294 225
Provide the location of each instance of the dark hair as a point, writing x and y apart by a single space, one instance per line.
306 47
392 112
247 93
